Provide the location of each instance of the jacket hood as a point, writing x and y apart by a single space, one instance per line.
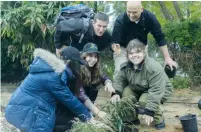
45 61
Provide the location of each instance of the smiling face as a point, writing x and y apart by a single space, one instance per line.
136 56
91 59
100 27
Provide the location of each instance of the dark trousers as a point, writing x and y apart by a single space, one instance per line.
92 93
64 119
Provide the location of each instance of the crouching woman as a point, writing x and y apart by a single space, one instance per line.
32 106
144 79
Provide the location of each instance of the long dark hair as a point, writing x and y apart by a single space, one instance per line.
76 82
91 75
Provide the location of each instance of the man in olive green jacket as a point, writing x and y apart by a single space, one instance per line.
145 79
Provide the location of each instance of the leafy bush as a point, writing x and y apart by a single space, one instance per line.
185 44
107 62
179 82
27 25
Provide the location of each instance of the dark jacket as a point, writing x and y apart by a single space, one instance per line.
32 105
91 92
125 30
65 38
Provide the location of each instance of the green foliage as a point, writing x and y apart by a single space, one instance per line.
186 33
185 44
117 111
97 126
179 82
26 26
120 111
107 62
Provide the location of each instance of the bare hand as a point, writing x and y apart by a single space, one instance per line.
148 119
116 48
109 88
171 63
115 98
102 114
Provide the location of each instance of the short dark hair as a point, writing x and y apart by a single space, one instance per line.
101 16
135 43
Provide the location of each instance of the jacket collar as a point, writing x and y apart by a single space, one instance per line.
56 63
140 66
131 66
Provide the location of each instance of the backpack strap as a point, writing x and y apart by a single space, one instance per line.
81 37
85 28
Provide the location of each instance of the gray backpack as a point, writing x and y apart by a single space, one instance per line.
75 20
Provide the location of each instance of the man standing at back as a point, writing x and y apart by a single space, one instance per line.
136 23
96 33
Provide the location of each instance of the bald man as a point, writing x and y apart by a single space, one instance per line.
136 23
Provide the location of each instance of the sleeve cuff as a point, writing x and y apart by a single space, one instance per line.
162 42
148 112
116 93
145 111
108 80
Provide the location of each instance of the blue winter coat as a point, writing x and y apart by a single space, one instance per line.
32 106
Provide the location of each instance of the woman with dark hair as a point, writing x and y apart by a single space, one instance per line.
86 75
93 79
65 117
32 106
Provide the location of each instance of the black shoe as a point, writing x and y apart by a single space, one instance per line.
134 122
160 126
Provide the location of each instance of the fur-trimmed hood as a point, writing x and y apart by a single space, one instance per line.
46 61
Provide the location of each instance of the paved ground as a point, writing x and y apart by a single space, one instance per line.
171 110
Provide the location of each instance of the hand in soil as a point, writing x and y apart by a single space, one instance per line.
148 119
115 98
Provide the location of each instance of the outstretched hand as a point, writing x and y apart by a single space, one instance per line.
109 88
103 115
116 48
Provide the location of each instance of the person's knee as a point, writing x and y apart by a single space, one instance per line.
127 92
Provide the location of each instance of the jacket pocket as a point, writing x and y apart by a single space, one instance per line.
40 116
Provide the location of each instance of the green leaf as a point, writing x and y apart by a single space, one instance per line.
23 48
32 27
27 21
38 19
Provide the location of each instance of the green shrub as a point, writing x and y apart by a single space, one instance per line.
107 62
185 45
179 82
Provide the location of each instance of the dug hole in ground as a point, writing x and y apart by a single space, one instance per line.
183 102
